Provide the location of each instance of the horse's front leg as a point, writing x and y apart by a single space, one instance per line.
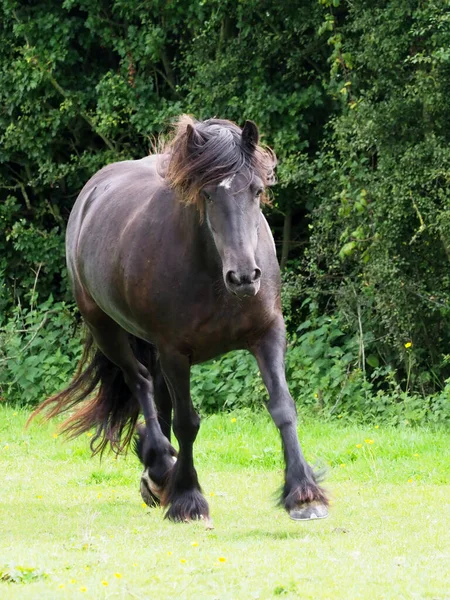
182 494
302 496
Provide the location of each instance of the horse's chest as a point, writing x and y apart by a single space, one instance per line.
224 328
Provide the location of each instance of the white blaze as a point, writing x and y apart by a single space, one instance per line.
226 183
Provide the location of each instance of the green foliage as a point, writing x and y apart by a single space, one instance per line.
38 352
227 383
354 97
20 574
385 260
330 372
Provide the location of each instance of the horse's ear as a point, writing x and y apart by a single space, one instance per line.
191 135
250 135
189 131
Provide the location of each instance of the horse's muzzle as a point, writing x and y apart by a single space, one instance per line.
243 290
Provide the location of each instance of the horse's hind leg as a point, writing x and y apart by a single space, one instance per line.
113 342
183 494
302 496
146 355
149 490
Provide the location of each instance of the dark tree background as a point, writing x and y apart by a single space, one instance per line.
353 97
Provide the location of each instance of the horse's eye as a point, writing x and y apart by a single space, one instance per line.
259 192
207 196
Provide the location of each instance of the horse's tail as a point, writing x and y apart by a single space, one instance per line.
113 411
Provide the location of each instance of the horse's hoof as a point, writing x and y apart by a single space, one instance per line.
150 491
209 525
188 506
309 512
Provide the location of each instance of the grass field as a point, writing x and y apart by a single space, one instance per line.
72 527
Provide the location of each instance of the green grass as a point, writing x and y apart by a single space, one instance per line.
68 520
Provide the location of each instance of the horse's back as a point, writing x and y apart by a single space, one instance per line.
133 178
108 205
112 196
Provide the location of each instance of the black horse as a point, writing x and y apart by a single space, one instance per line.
172 263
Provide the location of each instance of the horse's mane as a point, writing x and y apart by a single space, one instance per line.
205 152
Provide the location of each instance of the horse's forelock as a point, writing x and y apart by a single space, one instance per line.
207 152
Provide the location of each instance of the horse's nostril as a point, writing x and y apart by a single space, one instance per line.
236 279
233 278
256 274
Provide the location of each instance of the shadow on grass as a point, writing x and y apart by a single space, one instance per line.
262 534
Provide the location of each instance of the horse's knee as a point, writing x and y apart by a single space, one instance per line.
283 412
187 429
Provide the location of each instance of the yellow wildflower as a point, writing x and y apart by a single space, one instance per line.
118 575
377 426
105 583
408 344
342 465
144 505
55 435
233 420
61 586
183 560
83 589
222 559
359 445
369 441
195 544
415 454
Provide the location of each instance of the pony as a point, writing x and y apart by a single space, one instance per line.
172 263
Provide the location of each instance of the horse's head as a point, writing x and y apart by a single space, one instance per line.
224 171
232 212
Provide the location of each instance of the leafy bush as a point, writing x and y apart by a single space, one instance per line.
40 348
378 256
227 383
39 352
330 372
354 98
